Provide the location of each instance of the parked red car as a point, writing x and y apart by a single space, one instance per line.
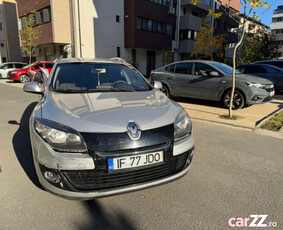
22 75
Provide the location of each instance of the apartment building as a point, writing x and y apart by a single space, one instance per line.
53 22
9 39
190 18
138 31
227 23
149 32
277 28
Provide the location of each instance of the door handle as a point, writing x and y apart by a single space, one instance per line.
223 82
169 77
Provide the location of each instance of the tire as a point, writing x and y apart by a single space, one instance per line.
238 101
0 76
165 90
24 78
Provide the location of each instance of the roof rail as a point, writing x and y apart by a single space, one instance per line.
118 59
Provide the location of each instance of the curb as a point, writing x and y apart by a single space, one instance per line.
222 123
278 134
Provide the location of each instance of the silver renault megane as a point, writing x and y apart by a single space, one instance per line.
101 129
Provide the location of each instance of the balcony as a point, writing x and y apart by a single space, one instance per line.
205 5
190 22
186 46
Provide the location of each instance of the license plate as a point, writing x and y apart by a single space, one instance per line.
135 161
272 93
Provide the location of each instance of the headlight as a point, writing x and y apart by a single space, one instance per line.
182 126
59 137
13 72
256 85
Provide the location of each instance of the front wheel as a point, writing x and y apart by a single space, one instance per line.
238 100
24 78
165 90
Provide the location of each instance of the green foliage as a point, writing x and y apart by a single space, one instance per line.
257 48
28 33
167 56
207 43
274 123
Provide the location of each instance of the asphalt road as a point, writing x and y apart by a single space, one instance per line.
235 173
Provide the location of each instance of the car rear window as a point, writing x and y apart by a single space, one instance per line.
97 77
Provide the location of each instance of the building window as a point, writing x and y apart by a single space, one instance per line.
139 23
217 5
0 25
149 25
4 59
153 26
118 52
117 18
184 11
217 24
195 13
2 45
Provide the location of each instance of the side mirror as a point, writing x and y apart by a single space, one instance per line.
214 74
32 87
157 85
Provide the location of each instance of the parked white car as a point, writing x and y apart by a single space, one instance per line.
8 66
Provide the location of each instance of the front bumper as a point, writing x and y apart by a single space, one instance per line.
260 96
70 166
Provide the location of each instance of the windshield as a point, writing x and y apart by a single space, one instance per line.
224 68
93 77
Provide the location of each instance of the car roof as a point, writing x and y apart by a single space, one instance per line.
268 61
202 61
93 60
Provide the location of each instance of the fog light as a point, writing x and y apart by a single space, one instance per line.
52 177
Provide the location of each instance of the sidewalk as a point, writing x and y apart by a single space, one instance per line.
248 117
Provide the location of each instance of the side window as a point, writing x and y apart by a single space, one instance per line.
202 69
19 66
252 69
49 65
262 70
170 68
183 68
10 66
37 66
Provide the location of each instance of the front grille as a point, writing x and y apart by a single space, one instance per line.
267 99
95 180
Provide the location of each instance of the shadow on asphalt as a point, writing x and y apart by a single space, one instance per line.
21 144
100 219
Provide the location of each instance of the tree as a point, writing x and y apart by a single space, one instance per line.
167 56
29 34
257 48
249 8
207 43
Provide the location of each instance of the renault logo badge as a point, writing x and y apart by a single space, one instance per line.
133 130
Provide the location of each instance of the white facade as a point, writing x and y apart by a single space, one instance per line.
277 28
3 50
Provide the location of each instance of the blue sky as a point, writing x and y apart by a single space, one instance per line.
266 17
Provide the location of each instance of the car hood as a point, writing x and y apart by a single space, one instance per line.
109 111
254 79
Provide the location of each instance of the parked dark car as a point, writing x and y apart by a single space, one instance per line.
277 63
269 72
212 81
